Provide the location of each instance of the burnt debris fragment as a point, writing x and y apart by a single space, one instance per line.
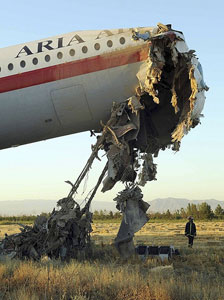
133 208
63 235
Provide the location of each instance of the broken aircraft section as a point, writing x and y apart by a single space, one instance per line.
167 104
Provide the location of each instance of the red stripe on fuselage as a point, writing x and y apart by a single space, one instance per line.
74 68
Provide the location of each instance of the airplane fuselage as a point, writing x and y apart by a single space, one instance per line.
65 84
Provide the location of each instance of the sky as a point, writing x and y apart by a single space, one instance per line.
38 170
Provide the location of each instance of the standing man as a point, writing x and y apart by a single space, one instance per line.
190 231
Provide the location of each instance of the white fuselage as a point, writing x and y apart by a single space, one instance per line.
65 84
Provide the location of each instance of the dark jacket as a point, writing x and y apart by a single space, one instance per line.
190 229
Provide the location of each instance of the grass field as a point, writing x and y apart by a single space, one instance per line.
196 274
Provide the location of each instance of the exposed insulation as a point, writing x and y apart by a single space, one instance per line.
174 100
155 65
168 65
162 28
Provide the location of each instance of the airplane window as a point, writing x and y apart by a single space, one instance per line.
72 52
59 55
22 64
0 69
10 67
97 46
35 61
109 43
122 40
47 58
84 49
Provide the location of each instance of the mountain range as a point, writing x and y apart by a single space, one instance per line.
163 204
35 207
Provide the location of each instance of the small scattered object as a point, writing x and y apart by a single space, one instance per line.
163 252
153 250
163 268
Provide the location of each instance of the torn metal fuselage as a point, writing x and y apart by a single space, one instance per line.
130 203
171 87
167 104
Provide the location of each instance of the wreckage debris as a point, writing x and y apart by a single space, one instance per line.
166 104
162 252
64 234
133 208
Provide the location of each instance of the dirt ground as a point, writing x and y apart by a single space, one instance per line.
211 231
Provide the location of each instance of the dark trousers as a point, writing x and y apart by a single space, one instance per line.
190 240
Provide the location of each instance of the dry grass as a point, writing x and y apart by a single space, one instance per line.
198 274
9 229
150 229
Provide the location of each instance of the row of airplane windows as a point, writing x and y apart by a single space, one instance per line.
47 57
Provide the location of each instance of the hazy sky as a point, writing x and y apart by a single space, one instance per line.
38 171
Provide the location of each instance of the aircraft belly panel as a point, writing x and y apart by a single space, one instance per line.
71 106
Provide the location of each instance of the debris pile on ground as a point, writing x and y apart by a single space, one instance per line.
64 234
